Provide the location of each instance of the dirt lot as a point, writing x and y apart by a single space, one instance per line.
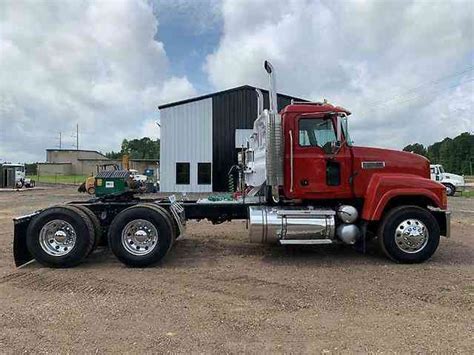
215 292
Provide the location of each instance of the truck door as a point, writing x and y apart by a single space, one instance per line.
318 172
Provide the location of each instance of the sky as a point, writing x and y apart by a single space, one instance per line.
404 68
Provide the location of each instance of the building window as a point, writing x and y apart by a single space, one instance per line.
182 173
204 173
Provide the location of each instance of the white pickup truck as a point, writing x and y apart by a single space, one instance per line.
453 182
137 176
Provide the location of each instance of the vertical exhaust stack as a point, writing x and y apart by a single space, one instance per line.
259 102
272 89
274 139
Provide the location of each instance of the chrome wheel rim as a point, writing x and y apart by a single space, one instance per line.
449 190
411 236
57 237
139 237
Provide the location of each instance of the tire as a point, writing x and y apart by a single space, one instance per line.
450 189
170 218
158 228
396 244
91 190
95 222
42 244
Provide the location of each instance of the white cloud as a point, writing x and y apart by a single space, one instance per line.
92 63
364 55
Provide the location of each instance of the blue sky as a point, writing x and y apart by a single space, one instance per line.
404 68
187 43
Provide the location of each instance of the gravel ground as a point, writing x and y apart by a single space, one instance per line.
215 293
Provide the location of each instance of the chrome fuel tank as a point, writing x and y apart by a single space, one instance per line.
271 224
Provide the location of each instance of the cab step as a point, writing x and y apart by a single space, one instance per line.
305 241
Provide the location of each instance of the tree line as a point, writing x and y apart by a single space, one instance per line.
142 148
456 154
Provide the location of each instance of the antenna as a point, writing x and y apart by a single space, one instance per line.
76 136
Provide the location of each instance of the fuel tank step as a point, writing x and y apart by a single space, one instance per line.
305 241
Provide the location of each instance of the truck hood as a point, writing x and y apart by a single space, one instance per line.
454 177
393 161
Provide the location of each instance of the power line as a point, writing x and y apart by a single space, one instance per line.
421 96
429 83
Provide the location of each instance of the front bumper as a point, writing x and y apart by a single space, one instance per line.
443 217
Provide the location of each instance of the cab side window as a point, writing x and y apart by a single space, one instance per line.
315 132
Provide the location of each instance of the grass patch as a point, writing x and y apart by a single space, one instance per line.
60 179
469 193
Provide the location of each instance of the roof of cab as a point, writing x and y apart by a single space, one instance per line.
314 107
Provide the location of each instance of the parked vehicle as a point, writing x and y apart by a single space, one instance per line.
453 183
135 175
303 183
19 171
89 185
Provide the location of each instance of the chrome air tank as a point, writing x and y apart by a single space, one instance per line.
271 224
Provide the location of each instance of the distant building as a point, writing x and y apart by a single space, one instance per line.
85 162
201 136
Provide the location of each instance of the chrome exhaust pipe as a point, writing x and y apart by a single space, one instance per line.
272 89
259 102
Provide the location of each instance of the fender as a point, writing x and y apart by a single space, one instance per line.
384 187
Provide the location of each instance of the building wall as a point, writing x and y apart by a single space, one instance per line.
85 162
233 110
54 168
186 136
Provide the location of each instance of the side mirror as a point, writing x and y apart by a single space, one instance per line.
335 146
332 147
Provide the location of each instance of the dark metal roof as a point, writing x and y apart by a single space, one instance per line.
72 150
113 174
238 88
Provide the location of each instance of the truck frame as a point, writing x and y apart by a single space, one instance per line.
302 183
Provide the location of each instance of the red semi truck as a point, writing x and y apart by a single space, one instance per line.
302 183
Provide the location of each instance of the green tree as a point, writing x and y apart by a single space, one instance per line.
416 148
138 148
456 154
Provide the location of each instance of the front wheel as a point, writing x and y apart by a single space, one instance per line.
409 234
450 189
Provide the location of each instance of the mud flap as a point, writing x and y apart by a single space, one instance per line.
444 221
20 250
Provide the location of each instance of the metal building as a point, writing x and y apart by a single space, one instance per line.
200 137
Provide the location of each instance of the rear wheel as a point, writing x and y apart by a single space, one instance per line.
167 215
409 234
60 236
91 190
95 222
140 235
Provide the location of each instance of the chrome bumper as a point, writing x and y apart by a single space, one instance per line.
448 224
443 217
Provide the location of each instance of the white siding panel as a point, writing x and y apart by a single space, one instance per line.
186 136
242 136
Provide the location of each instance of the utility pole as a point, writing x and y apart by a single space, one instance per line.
77 136
60 141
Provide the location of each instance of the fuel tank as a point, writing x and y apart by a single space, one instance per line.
271 224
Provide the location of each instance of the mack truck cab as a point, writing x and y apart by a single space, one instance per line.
302 180
317 179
